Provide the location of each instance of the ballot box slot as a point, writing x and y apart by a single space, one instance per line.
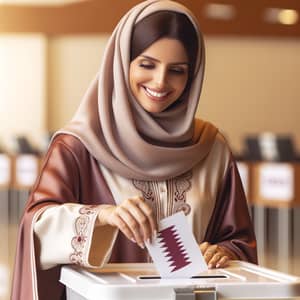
147 277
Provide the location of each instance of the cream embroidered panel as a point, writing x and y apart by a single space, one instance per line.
193 192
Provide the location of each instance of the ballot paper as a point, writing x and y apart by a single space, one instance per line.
175 251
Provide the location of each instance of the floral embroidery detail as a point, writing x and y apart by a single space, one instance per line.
81 227
145 188
177 188
180 185
88 210
150 194
186 208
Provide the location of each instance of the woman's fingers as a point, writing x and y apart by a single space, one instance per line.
141 218
118 222
150 217
204 246
215 256
132 223
223 262
209 252
116 216
133 217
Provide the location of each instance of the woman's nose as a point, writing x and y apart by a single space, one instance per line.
160 77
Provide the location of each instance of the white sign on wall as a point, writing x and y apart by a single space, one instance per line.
5 169
276 182
27 168
244 173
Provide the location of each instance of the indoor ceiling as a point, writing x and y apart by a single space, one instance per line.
216 17
38 2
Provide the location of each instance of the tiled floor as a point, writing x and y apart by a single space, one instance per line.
278 241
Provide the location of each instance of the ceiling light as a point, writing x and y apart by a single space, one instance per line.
282 16
288 16
219 11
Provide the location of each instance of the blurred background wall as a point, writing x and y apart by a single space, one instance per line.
251 84
51 50
49 54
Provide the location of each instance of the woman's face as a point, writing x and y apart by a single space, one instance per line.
159 75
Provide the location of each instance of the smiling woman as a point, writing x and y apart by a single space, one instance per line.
159 75
133 154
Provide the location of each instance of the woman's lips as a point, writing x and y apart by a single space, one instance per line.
155 95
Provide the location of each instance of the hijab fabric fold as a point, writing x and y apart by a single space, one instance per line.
124 137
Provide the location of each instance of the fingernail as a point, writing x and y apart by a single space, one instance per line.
142 245
133 240
210 266
154 234
217 265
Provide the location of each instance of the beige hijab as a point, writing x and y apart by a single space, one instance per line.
120 134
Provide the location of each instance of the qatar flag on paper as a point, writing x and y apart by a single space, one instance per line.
175 251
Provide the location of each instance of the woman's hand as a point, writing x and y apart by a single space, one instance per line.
216 256
134 217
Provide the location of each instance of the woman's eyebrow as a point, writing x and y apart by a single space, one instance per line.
157 60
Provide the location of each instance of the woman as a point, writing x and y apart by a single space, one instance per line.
133 154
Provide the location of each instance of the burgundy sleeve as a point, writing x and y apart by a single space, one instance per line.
230 225
69 175
54 185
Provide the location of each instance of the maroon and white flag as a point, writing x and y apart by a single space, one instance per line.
175 251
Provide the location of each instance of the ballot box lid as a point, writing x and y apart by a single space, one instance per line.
240 280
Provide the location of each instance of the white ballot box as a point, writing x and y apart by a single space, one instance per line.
239 280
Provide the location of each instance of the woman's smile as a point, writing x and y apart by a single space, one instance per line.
158 76
156 95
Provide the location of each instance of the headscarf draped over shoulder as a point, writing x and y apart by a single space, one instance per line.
124 137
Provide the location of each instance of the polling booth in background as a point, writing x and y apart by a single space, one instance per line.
275 194
26 166
239 280
18 172
5 246
26 169
270 172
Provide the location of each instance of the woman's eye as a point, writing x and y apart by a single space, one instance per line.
146 66
177 70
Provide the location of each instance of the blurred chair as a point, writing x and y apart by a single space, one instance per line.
23 146
269 147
